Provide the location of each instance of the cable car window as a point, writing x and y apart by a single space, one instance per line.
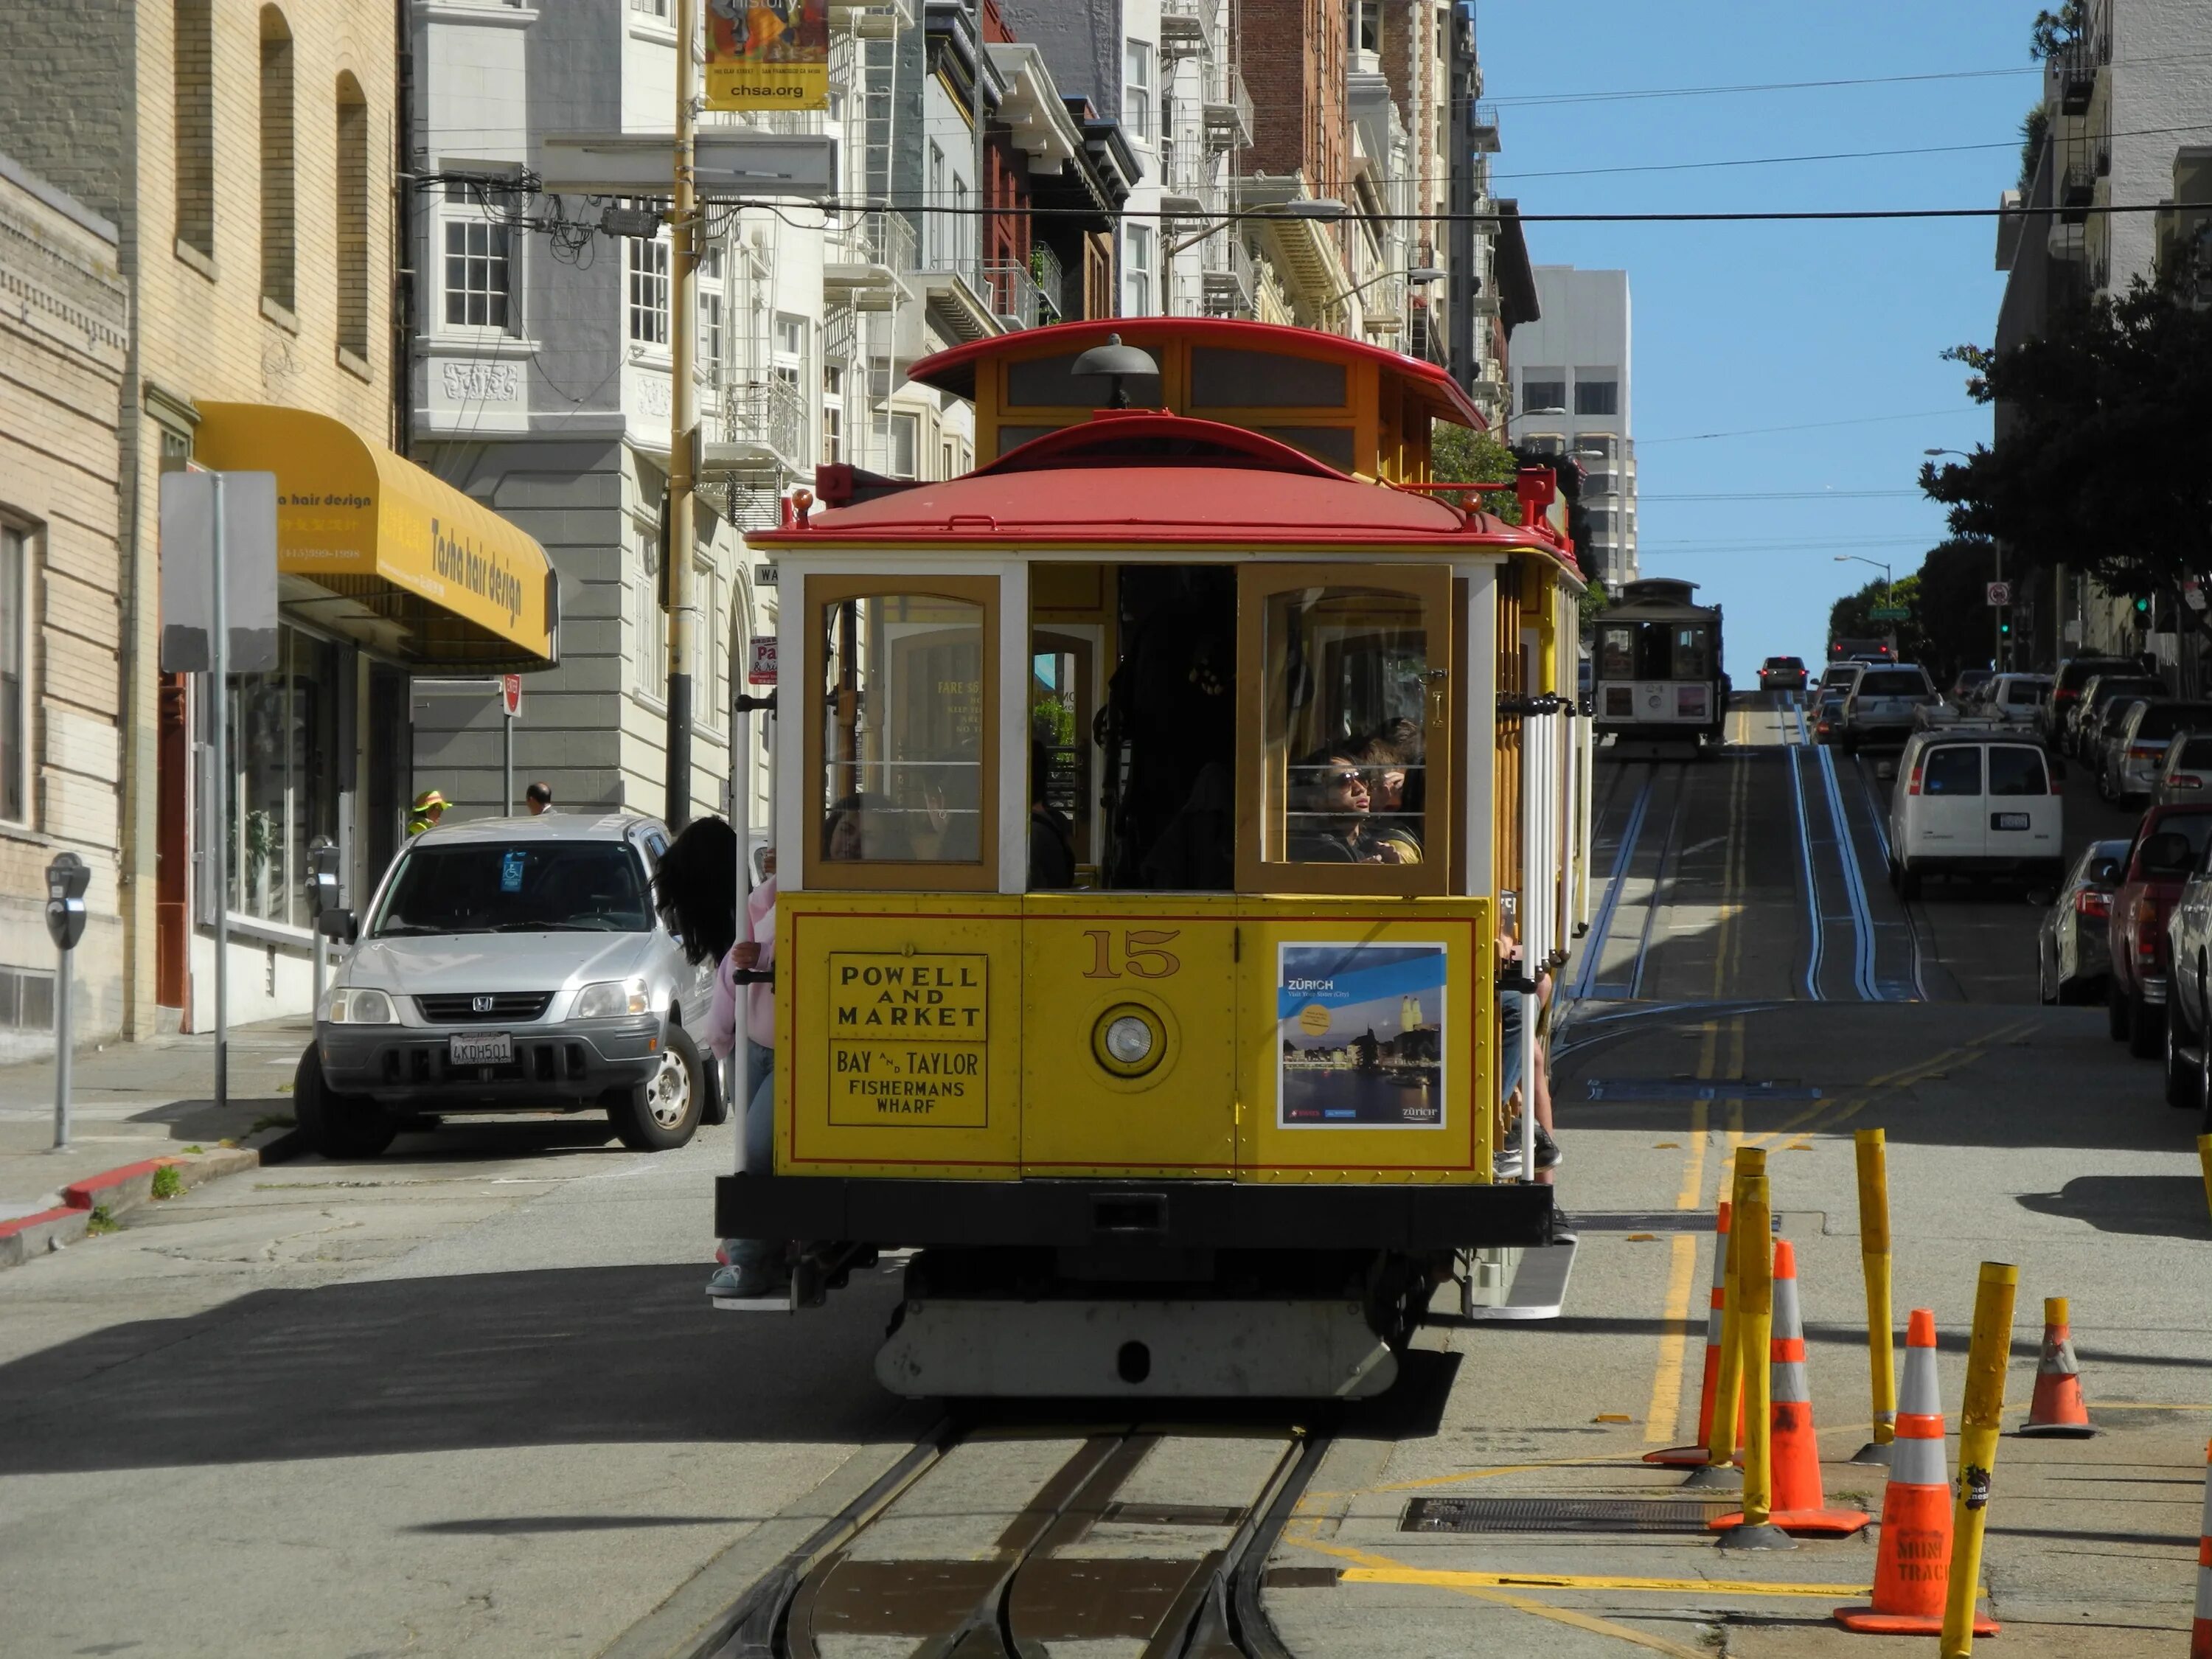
1013 437
1692 649
902 752
1048 383
1224 379
1616 654
1330 445
1347 690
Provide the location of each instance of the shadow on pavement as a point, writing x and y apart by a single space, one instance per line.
552 1357
2159 1206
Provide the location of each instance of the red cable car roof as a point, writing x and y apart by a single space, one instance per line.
954 371
1141 476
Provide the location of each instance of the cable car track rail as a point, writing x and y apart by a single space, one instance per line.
1044 1579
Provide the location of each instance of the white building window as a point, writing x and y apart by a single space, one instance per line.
1544 392
652 653
937 189
1597 391
707 674
833 414
1137 271
14 675
897 440
1137 90
712 342
479 274
647 264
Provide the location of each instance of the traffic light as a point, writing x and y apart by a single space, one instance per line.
2004 628
2142 607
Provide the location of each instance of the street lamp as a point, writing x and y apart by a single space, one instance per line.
1861 558
1420 275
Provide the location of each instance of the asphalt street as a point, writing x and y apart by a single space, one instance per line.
468 1398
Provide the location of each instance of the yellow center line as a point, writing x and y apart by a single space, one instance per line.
1440 1578
1569 1616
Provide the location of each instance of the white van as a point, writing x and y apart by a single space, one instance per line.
1975 803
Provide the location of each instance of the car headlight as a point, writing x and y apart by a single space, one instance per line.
358 1007
610 998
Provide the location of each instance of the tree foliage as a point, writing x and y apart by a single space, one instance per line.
2052 32
2105 460
1459 454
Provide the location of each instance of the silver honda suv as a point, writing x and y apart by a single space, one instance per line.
511 965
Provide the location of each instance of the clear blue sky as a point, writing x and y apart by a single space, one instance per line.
1762 325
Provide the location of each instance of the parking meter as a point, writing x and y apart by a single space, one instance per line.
67 878
322 876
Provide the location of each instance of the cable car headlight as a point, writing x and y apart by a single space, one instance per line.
1129 1040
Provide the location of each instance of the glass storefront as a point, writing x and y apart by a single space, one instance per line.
284 740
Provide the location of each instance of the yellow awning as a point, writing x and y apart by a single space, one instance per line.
375 548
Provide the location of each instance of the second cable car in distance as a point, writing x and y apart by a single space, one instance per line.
1656 676
1145 800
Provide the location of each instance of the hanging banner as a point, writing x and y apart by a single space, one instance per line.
768 54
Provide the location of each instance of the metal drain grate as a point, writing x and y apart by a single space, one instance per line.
1560 1515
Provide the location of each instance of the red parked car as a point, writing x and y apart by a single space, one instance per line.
2168 845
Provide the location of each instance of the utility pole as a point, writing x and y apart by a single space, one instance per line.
683 422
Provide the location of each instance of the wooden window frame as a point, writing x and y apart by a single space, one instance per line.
979 875
1432 586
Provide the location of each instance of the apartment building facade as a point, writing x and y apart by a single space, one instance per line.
2119 101
64 339
243 153
1572 382
541 373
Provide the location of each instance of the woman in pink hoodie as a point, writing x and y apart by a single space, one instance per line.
696 890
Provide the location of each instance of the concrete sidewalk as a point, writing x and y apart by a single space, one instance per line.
135 1101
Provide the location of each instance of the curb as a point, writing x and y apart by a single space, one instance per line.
126 1187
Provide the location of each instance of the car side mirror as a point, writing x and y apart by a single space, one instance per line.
339 925
2105 872
2168 854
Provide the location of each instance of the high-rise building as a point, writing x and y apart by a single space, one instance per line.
1572 374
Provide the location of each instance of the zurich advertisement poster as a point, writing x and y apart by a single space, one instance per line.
1361 1037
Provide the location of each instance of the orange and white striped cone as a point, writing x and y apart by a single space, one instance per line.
2058 1411
1912 1567
2200 1633
1688 1457
1800 1505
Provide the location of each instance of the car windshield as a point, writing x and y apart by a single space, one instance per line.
503 887
1892 683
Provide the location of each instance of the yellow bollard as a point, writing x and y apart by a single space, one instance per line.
1979 1422
1873 1261
1719 1468
1755 1531
2204 1157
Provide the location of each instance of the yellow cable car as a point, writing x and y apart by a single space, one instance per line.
1147 802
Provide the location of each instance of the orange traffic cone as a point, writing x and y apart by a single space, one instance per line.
2056 1409
1913 1568
2200 1634
1799 1503
1684 1457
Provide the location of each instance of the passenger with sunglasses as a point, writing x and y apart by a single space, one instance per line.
1330 813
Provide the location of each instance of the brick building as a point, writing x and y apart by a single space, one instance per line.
63 332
